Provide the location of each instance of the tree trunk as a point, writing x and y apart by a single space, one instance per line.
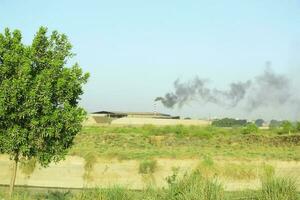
13 177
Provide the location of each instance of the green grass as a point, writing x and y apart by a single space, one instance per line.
234 170
138 142
191 187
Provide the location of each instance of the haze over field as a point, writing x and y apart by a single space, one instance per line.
215 51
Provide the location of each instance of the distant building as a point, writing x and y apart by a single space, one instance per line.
111 114
139 118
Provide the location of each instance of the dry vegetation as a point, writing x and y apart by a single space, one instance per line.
146 142
194 186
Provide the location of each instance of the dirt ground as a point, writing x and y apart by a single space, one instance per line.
106 173
90 121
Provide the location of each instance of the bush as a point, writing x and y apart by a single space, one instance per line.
298 126
250 129
180 130
274 124
287 127
90 160
259 122
147 166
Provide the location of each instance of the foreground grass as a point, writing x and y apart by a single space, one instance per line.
146 142
192 187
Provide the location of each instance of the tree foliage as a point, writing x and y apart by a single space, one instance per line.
287 127
275 124
298 126
39 94
250 128
259 122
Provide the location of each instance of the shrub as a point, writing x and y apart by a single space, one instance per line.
180 130
287 127
147 166
259 122
274 124
250 128
298 126
90 160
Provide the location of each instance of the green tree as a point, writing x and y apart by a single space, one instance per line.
229 122
287 127
39 94
298 126
274 124
259 122
250 128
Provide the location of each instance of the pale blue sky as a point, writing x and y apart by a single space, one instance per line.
135 49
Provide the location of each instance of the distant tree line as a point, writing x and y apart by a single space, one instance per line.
280 127
284 127
229 122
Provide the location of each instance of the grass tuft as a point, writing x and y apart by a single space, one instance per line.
278 188
90 160
147 166
195 186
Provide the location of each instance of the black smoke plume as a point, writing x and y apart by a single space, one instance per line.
267 89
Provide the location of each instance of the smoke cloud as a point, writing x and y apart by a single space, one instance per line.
267 89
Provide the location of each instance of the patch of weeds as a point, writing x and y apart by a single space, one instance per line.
147 166
267 171
207 167
195 186
281 188
173 178
239 171
90 160
115 193
57 195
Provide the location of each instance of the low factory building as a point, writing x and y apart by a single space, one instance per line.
139 118
111 114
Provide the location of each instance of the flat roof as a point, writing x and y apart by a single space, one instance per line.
129 113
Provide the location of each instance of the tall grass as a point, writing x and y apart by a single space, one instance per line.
115 193
90 160
230 170
278 188
195 186
192 187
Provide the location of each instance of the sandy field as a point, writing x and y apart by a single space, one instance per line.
106 173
